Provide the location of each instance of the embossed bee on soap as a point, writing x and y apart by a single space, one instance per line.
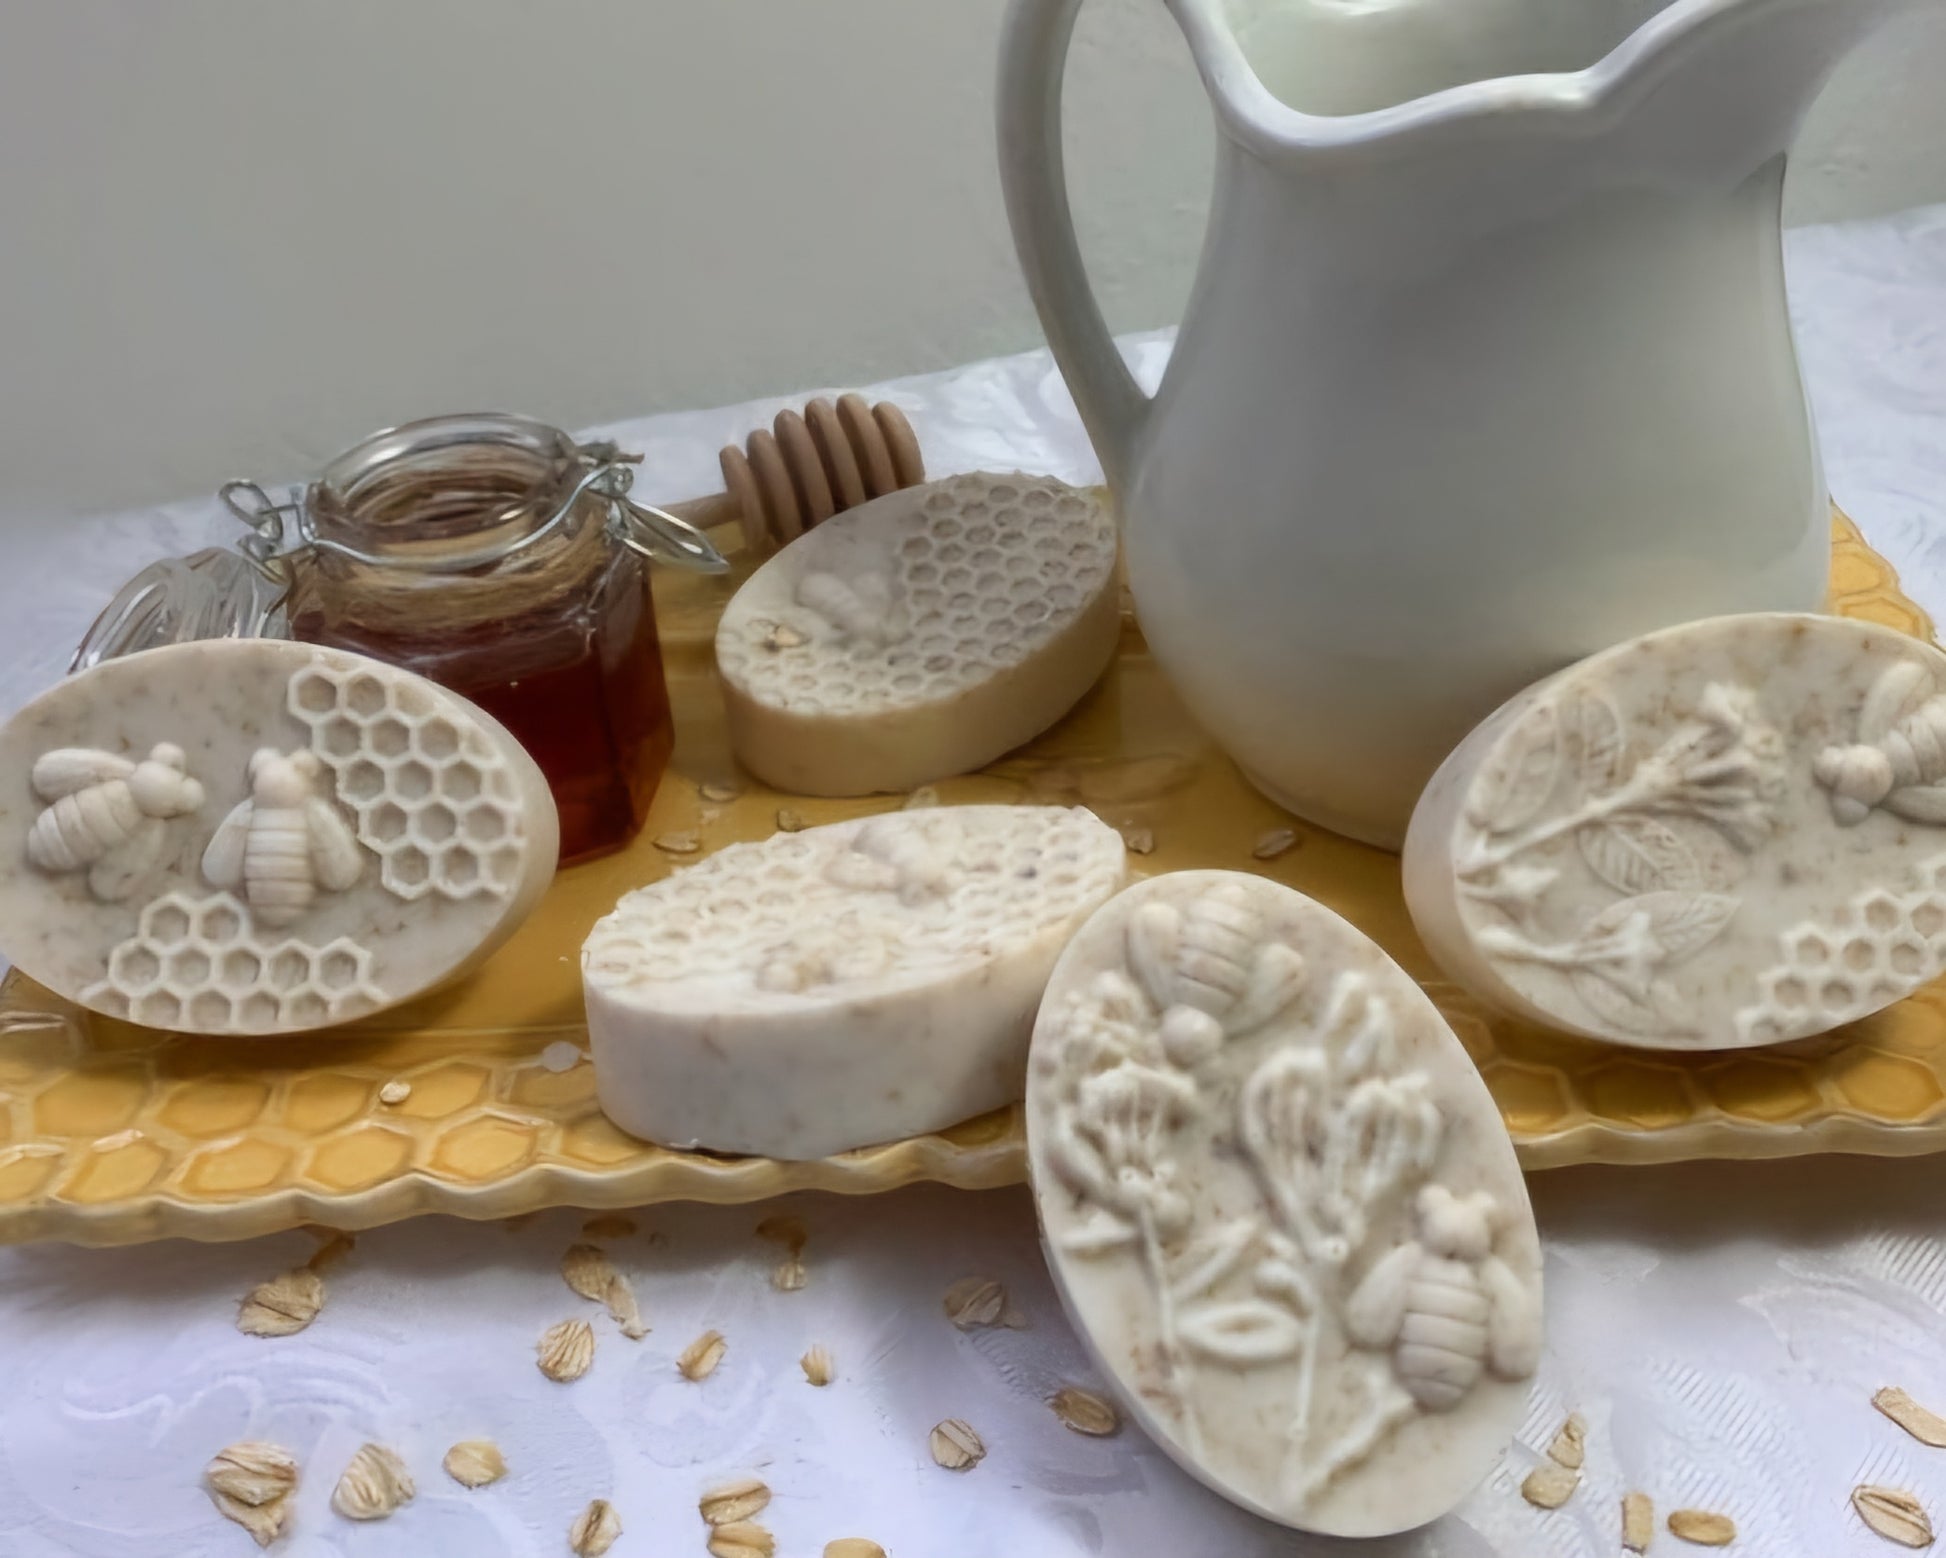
1445 1305
283 842
861 608
1212 969
107 815
1899 760
892 855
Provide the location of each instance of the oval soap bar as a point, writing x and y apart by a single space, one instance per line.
841 986
1727 833
1280 1205
257 836
921 634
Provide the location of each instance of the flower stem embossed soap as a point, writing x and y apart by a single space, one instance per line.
846 985
1280 1205
259 836
1724 834
921 634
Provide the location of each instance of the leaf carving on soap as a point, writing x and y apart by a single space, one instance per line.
1516 782
1633 853
1243 1331
1601 742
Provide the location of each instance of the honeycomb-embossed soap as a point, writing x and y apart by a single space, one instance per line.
1280 1205
1724 834
846 985
921 634
256 836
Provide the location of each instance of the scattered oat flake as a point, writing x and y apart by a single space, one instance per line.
1550 1485
816 1364
1570 1446
973 1302
790 820
784 636
921 799
334 1249
562 1055
566 1350
623 1310
956 1446
718 790
678 843
373 1485
1278 841
1085 1412
610 1225
587 1270
1638 1522
1703 1527
473 1463
594 1530
741 1539
1140 841
785 1230
733 1501
283 1306
699 1359
853 1547
396 1091
787 1276
1926 1427
1894 1514
120 1139
252 1483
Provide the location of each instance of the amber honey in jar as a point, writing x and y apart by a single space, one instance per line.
498 557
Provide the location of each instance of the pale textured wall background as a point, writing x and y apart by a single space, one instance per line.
237 234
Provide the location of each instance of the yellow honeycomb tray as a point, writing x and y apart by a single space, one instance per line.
111 1134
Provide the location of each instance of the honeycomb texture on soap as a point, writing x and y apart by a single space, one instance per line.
899 894
201 960
986 572
431 797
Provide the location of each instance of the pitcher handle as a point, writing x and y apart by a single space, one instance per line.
1033 178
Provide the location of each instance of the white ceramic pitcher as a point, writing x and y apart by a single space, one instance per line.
1487 364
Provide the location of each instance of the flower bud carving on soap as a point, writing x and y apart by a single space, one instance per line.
1899 760
284 842
106 815
1210 971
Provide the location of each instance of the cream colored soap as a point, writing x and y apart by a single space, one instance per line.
845 985
1728 833
919 635
256 836
1280 1205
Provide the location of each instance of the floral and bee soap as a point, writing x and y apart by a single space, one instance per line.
255 836
1728 833
1280 1204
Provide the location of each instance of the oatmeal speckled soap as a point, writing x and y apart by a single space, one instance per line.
1280 1205
921 634
255 836
1728 833
842 986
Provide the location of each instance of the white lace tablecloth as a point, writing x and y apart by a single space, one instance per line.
1720 1326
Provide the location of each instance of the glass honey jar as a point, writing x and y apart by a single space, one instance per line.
498 557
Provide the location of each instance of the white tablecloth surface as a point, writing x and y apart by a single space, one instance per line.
1720 1326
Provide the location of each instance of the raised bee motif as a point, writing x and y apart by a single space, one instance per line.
896 857
1445 1305
861 608
108 815
1899 760
283 842
1211 969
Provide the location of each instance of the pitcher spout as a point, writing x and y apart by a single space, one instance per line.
1299 77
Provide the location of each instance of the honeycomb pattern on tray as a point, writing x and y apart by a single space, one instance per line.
431 798
193 955
111 1133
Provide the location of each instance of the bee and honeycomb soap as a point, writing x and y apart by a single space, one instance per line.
1280 1205
921 634
250 836
1724 834
851 984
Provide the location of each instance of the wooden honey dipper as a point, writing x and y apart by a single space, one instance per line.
806 467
